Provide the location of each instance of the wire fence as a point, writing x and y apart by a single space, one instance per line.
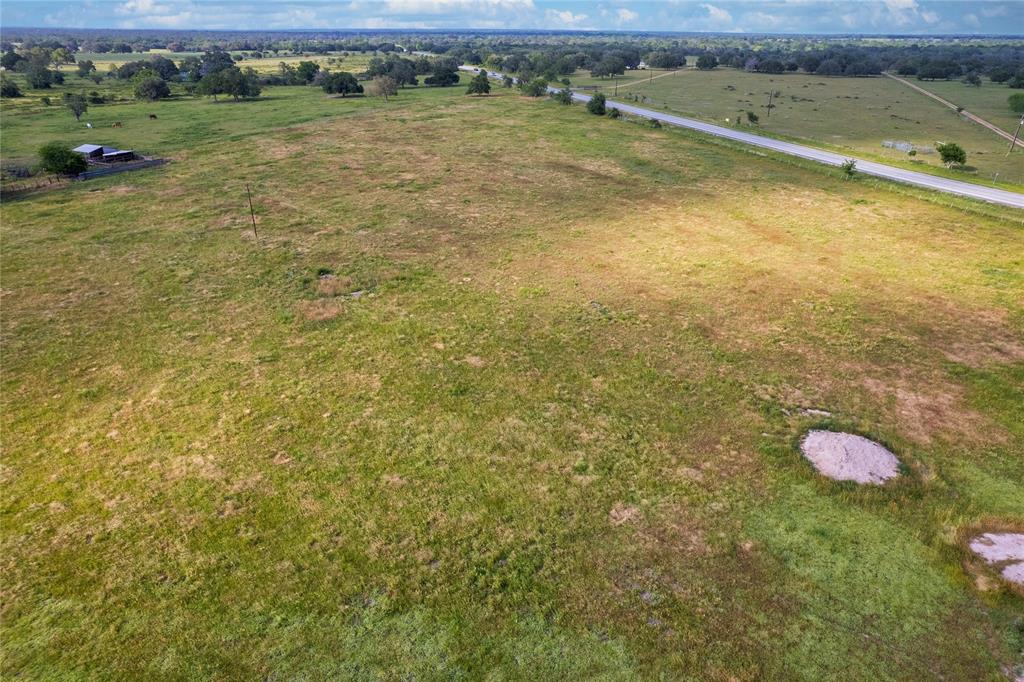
23 185
11 187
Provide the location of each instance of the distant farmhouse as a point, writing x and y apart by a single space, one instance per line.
97 153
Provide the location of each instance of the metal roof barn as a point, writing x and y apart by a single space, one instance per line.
90 150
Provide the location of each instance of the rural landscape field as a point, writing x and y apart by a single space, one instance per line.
422 382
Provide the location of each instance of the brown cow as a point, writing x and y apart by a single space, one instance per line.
152 117
116 124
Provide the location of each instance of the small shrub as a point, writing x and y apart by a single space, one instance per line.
849 167
534 88
9 89
752 118
596 104
951 154
45 101
563 96
479 85
56 158
614 113
655 123
1016 102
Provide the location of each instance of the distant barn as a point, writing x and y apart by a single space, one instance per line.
118 154
97 152
91 151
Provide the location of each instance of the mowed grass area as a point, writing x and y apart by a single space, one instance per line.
555 436
181 122
855 114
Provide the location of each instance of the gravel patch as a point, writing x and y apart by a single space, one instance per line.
1000 548
848 457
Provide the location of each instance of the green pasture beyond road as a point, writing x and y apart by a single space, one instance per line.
855 114
503 390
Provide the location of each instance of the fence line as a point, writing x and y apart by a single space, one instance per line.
39 182
121 168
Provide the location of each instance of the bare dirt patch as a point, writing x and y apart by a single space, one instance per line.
982 353
622 513
848 457
1002 550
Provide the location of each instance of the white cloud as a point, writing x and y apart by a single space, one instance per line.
993 12
972 20
564 18
717 14
451 6
142 7
626 16
901 5
763 21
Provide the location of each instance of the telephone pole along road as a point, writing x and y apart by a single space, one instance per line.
879 170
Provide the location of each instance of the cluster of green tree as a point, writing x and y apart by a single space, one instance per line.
150 76
403 71
339 83
161 67
304 74
1010 71
230 81
35 63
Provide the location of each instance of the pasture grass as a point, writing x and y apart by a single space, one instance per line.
854 114
989 100
553 437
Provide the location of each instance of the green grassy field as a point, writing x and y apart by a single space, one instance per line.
988 100
554 436
855 114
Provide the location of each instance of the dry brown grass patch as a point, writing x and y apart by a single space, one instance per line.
333 285
320 310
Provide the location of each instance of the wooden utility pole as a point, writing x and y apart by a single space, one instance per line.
1015 134
252 213
771 93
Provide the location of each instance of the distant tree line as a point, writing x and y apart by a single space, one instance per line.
407 57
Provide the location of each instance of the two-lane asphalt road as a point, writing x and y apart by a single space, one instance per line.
934 182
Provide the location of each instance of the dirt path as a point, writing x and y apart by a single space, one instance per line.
977 119
638 83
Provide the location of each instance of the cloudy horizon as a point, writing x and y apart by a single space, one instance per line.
904 17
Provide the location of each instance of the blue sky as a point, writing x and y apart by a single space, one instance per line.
749 16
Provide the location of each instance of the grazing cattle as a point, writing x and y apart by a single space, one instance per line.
116 124
152 117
